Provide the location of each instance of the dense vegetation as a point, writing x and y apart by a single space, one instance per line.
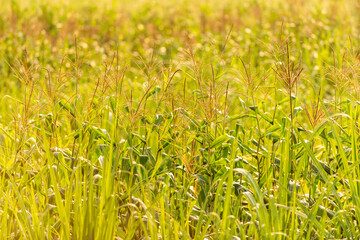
180 120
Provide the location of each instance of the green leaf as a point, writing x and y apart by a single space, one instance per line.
113 104
65 105
239 116
218 141
262 115
100 133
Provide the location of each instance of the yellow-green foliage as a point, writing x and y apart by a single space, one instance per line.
179 119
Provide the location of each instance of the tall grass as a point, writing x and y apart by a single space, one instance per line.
179 121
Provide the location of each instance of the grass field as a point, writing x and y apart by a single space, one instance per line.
180 120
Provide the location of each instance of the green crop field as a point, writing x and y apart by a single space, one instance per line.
180 119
